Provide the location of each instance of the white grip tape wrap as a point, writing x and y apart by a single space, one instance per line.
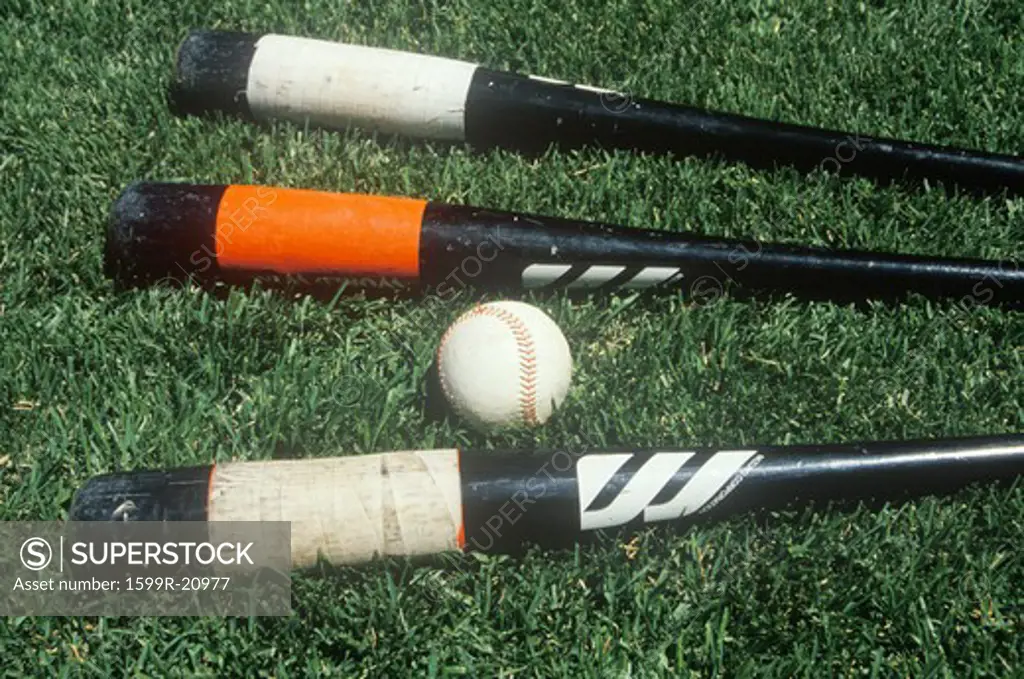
349 509
335 85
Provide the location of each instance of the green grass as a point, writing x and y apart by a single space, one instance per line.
93 381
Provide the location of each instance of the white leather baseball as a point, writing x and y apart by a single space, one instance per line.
504 363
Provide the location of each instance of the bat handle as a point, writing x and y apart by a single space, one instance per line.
343 509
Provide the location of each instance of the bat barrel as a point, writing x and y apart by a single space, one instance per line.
547 253
874 472
518 112
510 501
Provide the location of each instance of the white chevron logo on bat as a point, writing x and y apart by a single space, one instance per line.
594 472
596 275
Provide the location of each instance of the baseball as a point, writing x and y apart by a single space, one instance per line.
503 364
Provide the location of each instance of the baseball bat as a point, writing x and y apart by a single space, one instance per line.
240 233
348 510
334 85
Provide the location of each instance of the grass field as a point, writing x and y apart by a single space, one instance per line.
93 381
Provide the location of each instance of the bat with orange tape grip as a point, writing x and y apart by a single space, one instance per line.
335 85
348 510
241 233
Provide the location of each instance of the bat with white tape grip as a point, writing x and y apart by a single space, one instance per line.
334 85
348 510
239 234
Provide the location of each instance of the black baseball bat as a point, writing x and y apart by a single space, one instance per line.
335 85
348 510
241 233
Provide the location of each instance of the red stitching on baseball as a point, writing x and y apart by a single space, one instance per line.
527 357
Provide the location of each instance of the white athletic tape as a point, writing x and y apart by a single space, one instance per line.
335 85
348 509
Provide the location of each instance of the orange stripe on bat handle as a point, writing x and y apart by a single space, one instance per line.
295 231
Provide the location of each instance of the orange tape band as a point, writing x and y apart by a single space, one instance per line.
291 231
460 536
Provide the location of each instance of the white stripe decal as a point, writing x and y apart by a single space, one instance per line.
539 275
705 484
598 90
585 88
596 276
595 471
336 85
653 275
547 80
